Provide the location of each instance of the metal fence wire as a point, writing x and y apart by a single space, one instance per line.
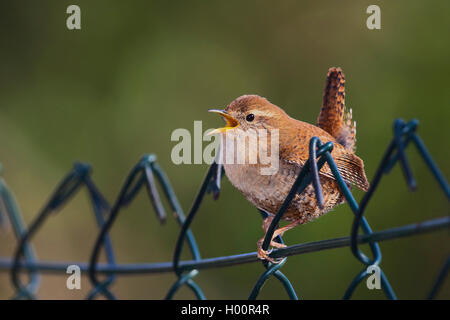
147 173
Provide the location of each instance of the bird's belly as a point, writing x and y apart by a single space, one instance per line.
268 192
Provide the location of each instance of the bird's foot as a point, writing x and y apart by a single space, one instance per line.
277 245
264 254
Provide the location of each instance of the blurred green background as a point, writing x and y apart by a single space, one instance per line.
117 88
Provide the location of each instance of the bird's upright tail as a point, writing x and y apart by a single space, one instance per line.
334 117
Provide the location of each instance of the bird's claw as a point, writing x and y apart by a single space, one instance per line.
264 254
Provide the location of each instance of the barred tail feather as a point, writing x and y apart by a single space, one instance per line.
334 117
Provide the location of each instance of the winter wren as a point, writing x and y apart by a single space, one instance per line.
252 113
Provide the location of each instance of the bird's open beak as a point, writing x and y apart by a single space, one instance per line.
231 122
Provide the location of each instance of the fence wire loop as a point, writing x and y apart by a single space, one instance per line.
272 268
68 186
79 176
216 178
143 174
11 211
211 184
148 173
213 169
399 134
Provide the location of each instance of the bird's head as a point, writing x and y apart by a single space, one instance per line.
251 112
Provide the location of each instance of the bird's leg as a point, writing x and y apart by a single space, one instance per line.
263 254
282 230
266 224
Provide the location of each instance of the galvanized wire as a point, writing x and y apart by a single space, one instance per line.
147 173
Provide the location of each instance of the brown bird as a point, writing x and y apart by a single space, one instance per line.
250 113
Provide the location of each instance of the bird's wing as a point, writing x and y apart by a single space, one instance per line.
350 166
333 117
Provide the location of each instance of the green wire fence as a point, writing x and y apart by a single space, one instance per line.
147 174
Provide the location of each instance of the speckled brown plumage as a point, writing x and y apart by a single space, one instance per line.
267 192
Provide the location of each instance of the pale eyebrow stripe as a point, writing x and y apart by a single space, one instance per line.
262 113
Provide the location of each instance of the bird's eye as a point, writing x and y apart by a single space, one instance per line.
250 117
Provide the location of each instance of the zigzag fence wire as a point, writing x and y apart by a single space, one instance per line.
147 174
